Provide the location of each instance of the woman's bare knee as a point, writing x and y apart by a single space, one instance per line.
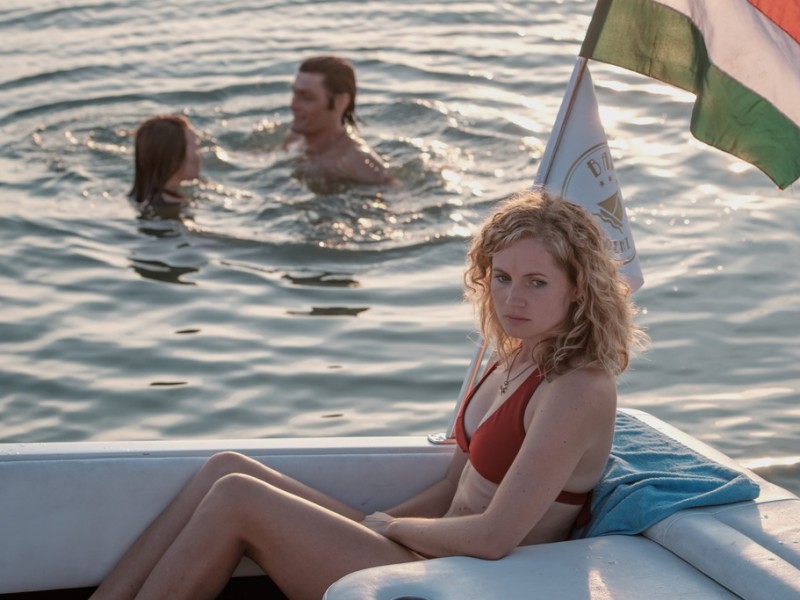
229 463
247 506
232 496
226 463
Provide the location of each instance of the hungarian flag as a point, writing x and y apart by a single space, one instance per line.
577 165
740 57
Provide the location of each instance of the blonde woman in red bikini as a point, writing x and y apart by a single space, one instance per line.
533 436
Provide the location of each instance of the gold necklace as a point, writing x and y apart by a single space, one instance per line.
504 386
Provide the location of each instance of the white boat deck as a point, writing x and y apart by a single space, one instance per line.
68 512
613 567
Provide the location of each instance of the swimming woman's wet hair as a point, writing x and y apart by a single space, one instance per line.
339 77
599 330
160 153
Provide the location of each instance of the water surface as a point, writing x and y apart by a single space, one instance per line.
273 311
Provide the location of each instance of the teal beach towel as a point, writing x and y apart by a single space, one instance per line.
650 476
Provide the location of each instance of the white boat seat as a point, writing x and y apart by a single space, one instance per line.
754 547
612 567
742 555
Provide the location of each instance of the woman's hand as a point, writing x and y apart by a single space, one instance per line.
379 522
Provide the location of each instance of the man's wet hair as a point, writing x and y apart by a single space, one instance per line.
339 77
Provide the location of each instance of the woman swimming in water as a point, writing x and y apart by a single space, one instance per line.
166 155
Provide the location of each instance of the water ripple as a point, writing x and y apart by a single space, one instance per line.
271 310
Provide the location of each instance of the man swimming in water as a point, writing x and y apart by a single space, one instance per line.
323 129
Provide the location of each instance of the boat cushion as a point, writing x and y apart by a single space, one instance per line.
753 547
608 568
757 555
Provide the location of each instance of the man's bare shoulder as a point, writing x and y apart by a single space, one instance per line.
348 159
361 163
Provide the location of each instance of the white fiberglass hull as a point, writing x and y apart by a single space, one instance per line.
68 511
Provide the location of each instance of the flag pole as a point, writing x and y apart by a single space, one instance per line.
542 176
448 437
553 143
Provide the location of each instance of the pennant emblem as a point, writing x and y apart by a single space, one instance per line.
577 165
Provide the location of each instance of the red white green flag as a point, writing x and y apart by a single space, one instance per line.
740 57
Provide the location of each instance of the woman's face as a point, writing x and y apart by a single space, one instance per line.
531 294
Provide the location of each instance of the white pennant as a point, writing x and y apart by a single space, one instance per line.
577 165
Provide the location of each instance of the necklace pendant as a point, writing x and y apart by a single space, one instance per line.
504 388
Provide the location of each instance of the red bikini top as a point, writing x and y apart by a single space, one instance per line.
496 442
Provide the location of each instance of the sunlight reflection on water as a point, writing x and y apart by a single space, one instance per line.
277 311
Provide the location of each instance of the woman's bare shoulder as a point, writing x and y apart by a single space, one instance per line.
584 389
587 377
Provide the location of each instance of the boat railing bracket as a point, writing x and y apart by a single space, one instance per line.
440 439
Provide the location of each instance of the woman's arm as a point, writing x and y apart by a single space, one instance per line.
571 424
434 500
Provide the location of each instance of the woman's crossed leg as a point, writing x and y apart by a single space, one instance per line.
301 545
221 472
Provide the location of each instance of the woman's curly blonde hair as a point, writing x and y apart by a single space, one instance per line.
599 330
